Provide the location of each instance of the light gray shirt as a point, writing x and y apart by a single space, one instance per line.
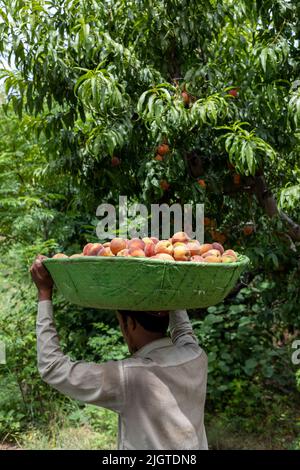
159 392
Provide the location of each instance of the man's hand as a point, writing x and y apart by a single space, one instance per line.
42 279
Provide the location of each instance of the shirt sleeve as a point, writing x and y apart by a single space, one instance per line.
181 330
98 384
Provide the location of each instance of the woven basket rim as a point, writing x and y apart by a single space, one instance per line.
242 260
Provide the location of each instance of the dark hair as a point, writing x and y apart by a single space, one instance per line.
150 321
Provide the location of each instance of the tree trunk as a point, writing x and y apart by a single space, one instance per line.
268 202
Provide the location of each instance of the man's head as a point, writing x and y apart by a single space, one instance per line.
140 328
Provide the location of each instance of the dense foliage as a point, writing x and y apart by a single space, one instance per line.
90 89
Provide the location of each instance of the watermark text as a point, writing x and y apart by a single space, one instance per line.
162 221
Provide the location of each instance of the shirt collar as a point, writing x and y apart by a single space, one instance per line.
157 344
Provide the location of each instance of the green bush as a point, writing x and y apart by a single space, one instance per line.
246 354
99 419
25 400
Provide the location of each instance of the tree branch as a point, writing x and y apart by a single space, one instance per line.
268 202
258 185
294 231
264 196
194 163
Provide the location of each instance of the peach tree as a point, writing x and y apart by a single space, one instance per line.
105 84
97 87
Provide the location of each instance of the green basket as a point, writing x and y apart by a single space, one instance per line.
142 283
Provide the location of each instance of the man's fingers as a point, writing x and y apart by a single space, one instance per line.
37 269
40 275
38 261
41 257
34 266
40 270
34 271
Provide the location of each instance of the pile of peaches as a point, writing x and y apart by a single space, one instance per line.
177 248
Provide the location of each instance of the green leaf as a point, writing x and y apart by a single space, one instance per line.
250 366
264 58
250 159
210 319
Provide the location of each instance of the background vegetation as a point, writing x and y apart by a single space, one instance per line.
90 89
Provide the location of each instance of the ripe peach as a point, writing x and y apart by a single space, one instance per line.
202 183
219 237
59 255
185 97
95 249
204 248
194 247
77 255
163 149
233 92
163 256
124 252
236 179
228 259
198 259
230 253
212 259
164 246
117 244
248 230
149 249
218 246
136 243
178 243
181 253
147 240
212 253
106 244
154 239
86 249
115 161
180 237
165 186
136 253
106 251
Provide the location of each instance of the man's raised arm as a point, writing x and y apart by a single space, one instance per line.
99 384
181 329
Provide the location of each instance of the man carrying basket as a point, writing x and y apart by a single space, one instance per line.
158 393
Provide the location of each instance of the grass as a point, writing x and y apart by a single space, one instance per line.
279 429
95 428
223 437
69 438
90 427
